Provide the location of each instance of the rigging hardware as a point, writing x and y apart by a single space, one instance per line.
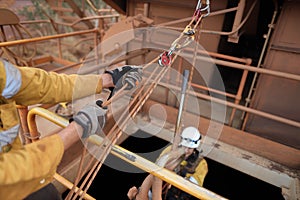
165 59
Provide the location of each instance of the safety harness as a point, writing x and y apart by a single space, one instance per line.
185 169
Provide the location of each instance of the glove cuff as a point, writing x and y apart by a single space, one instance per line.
112 76
111 89
84 121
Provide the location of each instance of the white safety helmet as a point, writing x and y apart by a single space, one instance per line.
190 137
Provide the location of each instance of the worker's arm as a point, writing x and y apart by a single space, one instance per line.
25 170
156 188
142 191
39 86
150 182
28 85
28 168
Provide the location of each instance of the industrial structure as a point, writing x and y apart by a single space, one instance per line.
242 91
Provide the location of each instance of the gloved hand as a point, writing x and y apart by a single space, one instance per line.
132 75
91 118
182 172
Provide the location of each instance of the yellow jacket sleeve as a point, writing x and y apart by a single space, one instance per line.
40 159
2 77
39 86
200 172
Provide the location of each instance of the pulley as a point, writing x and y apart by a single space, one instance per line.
165 59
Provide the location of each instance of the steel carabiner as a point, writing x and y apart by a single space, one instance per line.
197 12
206 8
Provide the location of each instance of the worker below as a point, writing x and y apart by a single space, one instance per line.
193 167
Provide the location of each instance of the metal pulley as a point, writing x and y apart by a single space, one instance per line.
165 59
189 31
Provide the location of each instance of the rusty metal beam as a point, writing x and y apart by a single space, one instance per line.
24 41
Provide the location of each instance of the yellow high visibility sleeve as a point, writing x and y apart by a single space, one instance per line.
8 116
39 86
200 172
25 169
2 77
40 159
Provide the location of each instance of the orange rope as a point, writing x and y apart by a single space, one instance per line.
115 132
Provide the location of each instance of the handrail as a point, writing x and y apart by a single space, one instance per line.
246 67
60 121
56 119
86 19
240 107
70 24
44 38
37 39
236 65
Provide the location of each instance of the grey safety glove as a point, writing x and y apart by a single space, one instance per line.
132 75
91 118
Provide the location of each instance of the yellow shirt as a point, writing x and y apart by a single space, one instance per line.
26 168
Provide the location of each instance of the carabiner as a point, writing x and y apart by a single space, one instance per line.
197 15
199 4
206 8
197 12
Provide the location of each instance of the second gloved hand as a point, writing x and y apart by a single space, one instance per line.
130 75
91 118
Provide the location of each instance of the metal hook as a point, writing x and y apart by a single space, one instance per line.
199 4
206 8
